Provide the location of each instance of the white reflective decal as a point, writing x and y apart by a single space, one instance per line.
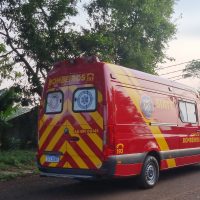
54 102
84 100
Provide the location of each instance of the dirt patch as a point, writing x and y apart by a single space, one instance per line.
12 173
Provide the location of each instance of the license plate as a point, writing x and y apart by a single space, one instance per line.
52 158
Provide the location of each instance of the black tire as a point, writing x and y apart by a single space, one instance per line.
150 173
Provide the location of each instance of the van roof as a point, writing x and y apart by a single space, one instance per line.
136 74
157 79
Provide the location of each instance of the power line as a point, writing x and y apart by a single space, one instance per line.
160 68
171 72
183 76
180 78
175 76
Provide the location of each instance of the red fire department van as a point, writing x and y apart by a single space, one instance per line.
102 120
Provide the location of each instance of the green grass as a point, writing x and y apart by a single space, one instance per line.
16 158
16 163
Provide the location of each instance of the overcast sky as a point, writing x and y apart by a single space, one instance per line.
186 45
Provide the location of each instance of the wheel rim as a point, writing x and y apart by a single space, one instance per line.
151 174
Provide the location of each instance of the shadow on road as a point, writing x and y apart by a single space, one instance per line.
92 188
179 172
76 189
172 184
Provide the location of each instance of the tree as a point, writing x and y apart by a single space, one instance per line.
5 65
8 105
38 33
192 69
35 35
137 30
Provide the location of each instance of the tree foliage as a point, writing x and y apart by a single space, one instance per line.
192 69
38 33
35 34
8 104
138 30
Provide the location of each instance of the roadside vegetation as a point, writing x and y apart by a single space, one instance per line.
17 163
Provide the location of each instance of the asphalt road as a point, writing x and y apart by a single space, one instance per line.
178 184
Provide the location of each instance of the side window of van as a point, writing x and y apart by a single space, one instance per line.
183 111
84 100
187 112
54 102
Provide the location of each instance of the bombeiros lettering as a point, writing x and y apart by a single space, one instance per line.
62 80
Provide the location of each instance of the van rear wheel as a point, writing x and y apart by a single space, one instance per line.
150 173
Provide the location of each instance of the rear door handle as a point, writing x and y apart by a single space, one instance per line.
66 131
73 139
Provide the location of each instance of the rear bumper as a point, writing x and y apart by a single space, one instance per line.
107 169
70 173
120 165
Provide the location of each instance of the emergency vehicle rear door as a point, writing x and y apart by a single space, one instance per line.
85 127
